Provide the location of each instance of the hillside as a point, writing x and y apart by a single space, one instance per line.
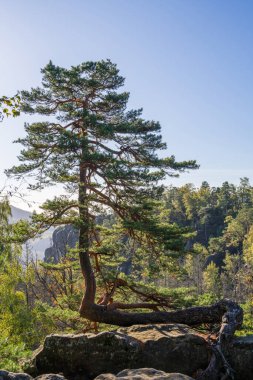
38 245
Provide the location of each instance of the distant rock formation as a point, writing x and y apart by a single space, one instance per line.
63 238
38 245
217 259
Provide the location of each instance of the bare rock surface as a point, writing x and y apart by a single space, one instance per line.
170 348
240 357
143 374
50 376
5 375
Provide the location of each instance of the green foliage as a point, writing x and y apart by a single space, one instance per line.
10 106
107 158
248 247
12 354
206 299
247 326
116 151
211 280
145 243
15 317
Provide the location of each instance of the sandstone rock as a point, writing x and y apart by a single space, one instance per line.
89 354
5 375
170 348
143 374
63 238
50 376
240 357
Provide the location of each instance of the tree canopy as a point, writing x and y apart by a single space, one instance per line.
105 155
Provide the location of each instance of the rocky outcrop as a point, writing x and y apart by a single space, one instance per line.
143 374
5 375
127 374
51 376
63 238
170 348
217 259
165 347
240 357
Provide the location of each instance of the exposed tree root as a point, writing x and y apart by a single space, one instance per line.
190 316
219 368
226 312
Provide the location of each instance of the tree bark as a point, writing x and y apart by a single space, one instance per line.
85 263
226 311
190 316
219 367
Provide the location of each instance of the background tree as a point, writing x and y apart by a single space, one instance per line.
5 212
211 280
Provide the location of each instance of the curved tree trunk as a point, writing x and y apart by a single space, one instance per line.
226 312
190 316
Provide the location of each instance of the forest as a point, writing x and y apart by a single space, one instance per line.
141 245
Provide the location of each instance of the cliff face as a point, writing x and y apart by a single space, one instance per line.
134 374
165 347
63 238
66 237
143 374
170 348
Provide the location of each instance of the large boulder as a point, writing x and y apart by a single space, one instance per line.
165 347
63 238
50 376
143 374
240 357
6 375
87 354
168 347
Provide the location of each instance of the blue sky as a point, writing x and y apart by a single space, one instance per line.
188 63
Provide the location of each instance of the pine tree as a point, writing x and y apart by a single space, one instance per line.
103 153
